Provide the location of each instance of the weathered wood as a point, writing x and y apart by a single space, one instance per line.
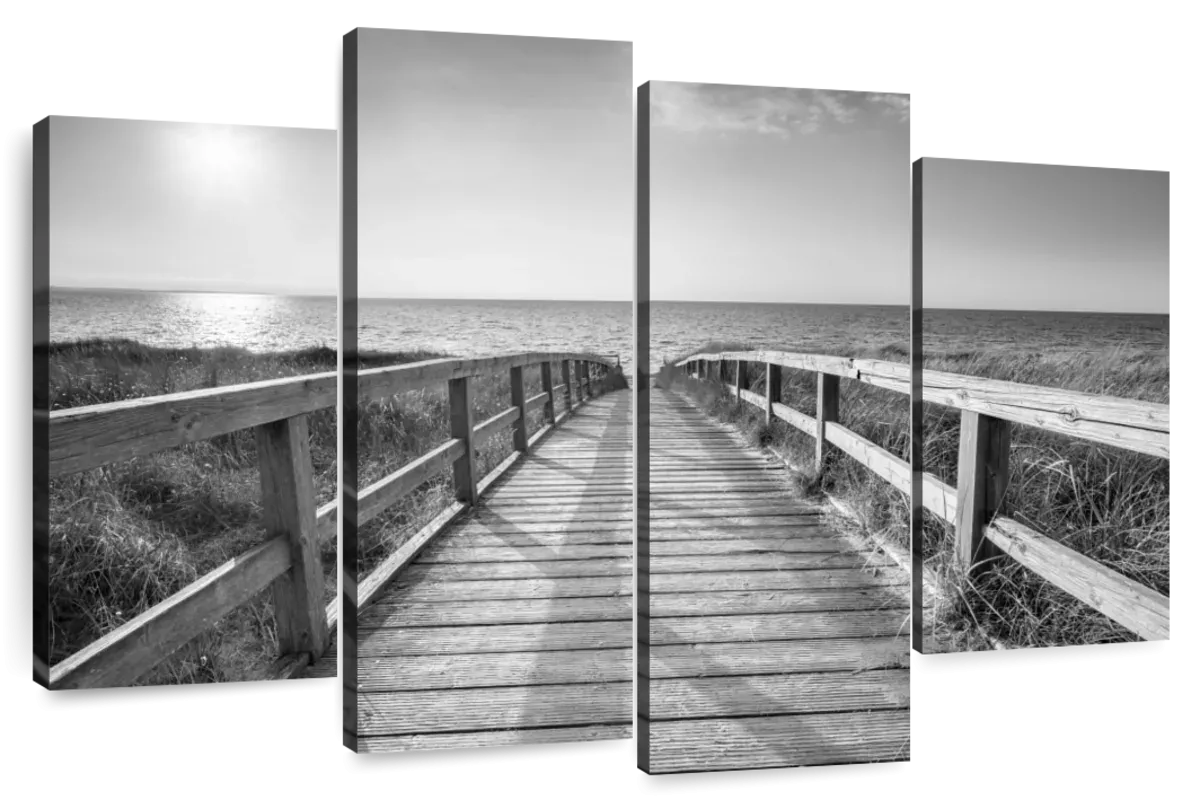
827 411
683 604
377 497
758 695
494 424
741 380
762 658
469 670
548 389
566 384
120 657
94 435
982 481
520 429
1128 424
285 470
774 388
462 426
891 468
475 739
497 612
494 638
797 419
805 625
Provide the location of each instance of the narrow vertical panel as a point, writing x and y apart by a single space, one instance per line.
827 411
642 425
916 411
285 470
520 430
566 379
41 402
774 388
740 379
982 479
462 425
548 388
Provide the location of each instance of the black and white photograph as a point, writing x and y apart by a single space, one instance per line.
773 571
185 439
490 573
1045 383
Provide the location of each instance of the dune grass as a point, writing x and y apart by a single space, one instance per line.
397 429
880 510
1104 502
126 536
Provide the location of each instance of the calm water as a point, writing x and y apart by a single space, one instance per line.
491 327
256 322
946 330
678 328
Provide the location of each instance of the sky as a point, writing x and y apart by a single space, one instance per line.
761 194
1035 237
192 207
494 167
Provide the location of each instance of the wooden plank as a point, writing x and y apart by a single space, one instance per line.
764 695
404 590
548 390
509 571
566 384
118 658
774 389
749 562
494 424
798 420
1128 424
498 612
370 587
520 431
94 435
763 580
494 708
620 535
778 741
1139 608
462 427
467 670
285 471
528 637
769 546
380 495
766 658
679 604
891 468
982 480
827 412
804 625
464 555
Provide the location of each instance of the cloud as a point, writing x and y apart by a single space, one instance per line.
764 110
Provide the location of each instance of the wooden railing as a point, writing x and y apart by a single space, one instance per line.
585 371
289 561
825 428
989 407
975 507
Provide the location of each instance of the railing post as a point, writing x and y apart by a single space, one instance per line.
774 388
548 388
579 380
827 411
520 431
462 425
739 379
587 377
285 474
566 379
982 480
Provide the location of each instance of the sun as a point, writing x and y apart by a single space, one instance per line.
214 157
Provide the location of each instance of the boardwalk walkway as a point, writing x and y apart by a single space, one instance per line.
513 625
774 642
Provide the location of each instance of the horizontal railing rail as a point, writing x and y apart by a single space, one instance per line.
288 562
585 371
975 507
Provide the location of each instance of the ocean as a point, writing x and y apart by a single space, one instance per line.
467 328
266 323
679 328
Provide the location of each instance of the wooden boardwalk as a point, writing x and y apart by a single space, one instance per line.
773 640
513 625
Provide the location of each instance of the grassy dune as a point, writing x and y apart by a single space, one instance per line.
394 431
1107 503
126 536
878 414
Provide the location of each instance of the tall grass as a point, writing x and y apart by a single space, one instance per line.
126 536
1109 504
881 510
395 430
